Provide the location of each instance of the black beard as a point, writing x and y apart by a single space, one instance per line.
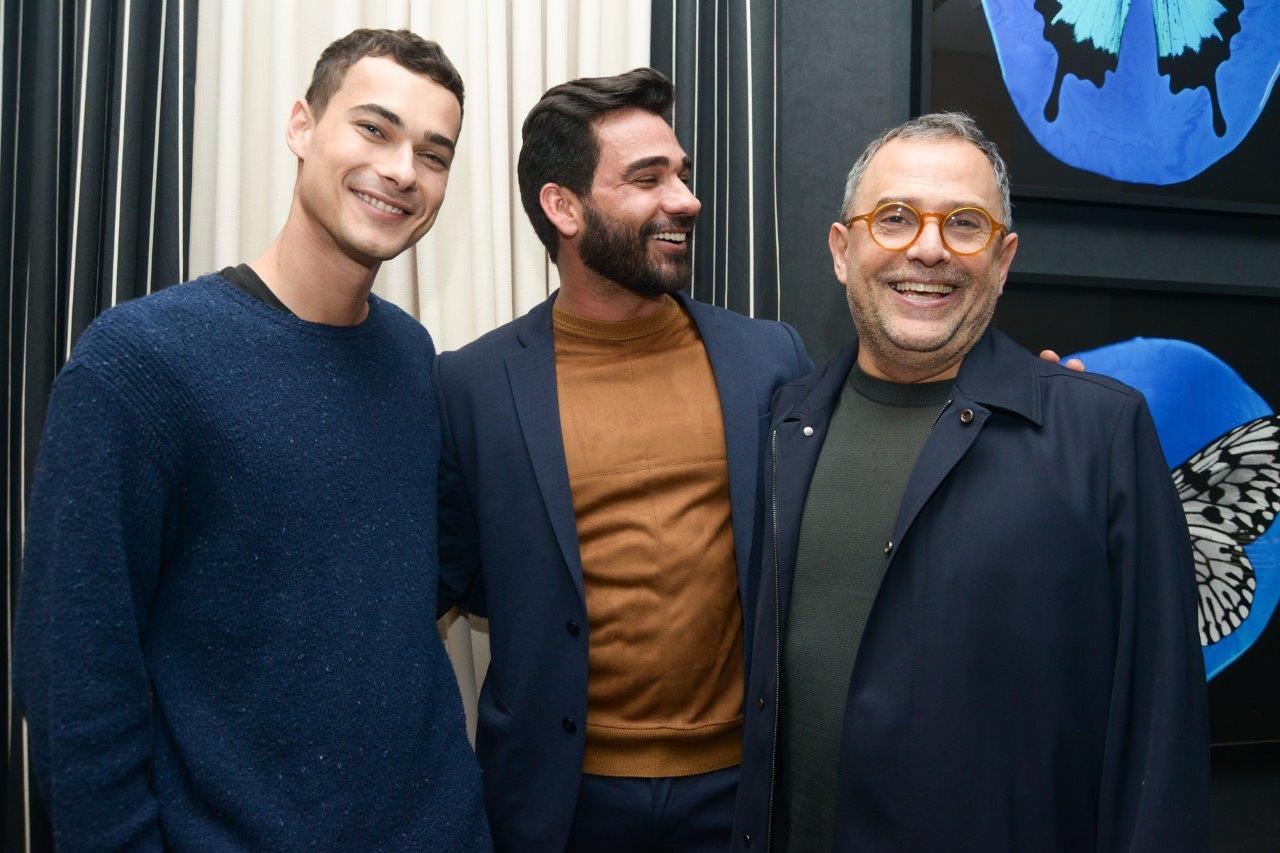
621 254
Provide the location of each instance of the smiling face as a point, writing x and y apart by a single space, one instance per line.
373 168
920 310
639 216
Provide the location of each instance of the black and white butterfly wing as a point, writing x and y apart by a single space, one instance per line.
1230 492
1086 36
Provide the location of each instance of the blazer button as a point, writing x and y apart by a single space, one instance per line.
760 703
572 628
746 839
888 548
569 725
808 430
966 416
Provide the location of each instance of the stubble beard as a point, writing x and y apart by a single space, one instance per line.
621 254
918 359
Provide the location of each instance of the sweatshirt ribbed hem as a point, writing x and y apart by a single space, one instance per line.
662 751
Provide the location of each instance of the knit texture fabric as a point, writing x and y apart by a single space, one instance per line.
648 467
225 634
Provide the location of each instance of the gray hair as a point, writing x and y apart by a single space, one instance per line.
934 127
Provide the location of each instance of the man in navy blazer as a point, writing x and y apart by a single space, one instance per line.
598 497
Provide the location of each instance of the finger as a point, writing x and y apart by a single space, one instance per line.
1050 355
1075 364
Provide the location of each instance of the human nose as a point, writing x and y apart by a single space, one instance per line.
928 247
681 201
399 166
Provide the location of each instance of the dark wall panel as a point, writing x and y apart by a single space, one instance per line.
844 75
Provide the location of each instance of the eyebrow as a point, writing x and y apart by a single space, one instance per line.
915 202
649 162
394 120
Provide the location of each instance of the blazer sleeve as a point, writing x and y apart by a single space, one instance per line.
1155 786
460 581
94 543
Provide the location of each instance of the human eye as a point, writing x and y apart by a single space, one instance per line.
894 215
433 159
371 129
965 220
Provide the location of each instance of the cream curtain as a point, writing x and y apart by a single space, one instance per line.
481 265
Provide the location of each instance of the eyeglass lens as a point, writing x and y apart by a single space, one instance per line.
895 226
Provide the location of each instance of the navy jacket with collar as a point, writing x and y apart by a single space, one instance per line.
509 545
1030 676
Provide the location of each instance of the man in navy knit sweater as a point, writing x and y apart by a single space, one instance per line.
226 634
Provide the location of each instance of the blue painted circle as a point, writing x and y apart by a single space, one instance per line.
1134 128
1194 397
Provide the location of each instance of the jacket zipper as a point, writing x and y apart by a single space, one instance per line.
939 417
777 639
777 623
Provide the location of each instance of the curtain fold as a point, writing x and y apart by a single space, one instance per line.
94 197
722 55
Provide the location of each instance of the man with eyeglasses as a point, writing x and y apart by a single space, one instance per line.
976 625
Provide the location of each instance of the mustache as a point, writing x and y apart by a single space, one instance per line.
675 223
947 275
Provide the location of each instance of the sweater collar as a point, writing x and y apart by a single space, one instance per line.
997 373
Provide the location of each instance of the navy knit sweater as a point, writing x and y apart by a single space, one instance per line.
226 625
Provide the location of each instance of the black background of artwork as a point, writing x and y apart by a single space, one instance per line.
1245 180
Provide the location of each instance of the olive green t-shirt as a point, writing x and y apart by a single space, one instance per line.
875 435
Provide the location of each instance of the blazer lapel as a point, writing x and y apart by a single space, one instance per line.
742 427
946 445
996 373
532 374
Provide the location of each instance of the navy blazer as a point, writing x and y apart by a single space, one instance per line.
1030 675
509 545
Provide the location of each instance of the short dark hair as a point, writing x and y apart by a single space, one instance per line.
560 144
408 49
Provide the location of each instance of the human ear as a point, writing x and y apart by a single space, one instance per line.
562 207
838 243
1008 248
297 132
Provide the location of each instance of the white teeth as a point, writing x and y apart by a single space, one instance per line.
922 287
379 204
671 236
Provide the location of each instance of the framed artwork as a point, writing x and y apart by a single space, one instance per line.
1146 103
1213 392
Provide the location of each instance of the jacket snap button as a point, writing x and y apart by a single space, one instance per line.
760 703
808 430
572 628
569 725
888 548
966 416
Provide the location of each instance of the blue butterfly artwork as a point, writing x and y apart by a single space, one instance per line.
1143 91
1222 443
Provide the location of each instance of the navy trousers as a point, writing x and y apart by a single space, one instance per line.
688 814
